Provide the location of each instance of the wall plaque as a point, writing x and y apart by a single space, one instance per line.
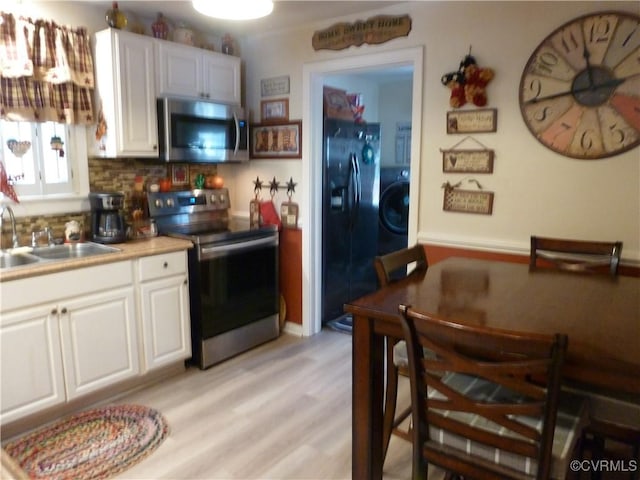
467 161
374 30
468 201
468 121
274 86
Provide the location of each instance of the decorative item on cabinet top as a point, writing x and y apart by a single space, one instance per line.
115 18
160 28
183 34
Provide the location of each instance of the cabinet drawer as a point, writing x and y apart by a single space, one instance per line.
164 265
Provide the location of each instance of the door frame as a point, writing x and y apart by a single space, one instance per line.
313 76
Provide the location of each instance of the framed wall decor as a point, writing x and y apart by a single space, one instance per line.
179 174
274 110
276 140
467 161
468 201
275 86
472 121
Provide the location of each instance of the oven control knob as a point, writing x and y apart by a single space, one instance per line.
170 202
223 199
213 199
158 203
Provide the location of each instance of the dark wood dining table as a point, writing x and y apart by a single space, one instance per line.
600 314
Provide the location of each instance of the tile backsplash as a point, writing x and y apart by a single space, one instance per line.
105 175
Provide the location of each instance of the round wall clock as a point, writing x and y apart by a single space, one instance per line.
580 90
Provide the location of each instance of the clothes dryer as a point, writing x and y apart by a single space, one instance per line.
393 213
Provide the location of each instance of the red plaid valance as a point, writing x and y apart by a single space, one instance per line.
46 72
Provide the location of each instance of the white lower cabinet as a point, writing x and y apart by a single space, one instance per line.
164 308
31 362
99 340
66 334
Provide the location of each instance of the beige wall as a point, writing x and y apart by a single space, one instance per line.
536 190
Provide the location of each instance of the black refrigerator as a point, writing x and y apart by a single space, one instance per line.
350 194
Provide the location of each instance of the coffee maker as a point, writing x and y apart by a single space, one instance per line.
107 220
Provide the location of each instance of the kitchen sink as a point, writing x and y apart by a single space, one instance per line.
8 260
73 250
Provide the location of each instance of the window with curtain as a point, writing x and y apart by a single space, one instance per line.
46 89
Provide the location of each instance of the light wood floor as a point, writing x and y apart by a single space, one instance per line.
280 411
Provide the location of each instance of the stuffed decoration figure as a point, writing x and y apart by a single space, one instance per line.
468 84
476 79
455 82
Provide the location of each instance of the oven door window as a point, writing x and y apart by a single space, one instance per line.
238 289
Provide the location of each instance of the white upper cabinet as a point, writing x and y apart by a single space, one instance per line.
125 94
190 72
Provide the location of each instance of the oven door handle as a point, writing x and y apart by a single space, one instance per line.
230 248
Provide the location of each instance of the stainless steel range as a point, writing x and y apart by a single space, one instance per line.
233 272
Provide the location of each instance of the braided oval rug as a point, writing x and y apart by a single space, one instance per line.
94 444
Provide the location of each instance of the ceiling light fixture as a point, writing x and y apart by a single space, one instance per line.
234 9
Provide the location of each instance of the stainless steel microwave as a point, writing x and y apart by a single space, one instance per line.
201 131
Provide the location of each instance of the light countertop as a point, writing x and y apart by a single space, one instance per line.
128 251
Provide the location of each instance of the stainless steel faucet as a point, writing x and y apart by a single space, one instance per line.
14 232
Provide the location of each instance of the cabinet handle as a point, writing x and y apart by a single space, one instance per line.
155 147
64 310
54 311
185 281
165 264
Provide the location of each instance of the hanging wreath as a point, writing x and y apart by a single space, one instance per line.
468 83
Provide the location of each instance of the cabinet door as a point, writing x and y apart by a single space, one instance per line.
222 77
179 70
165 321
99 340
31 366
136 104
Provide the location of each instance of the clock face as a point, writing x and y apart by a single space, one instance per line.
580 90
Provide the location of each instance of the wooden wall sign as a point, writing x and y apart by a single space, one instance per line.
374 30
472 121
468 201
467 161
274 86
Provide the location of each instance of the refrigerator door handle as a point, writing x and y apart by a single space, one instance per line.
356 185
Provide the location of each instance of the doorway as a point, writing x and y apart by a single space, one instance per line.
314 77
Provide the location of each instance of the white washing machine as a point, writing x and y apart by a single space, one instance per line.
393 212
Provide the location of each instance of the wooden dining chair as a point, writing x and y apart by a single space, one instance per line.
590 257
389 268
575 255
488 404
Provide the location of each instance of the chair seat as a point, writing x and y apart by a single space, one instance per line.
572 416
401 358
